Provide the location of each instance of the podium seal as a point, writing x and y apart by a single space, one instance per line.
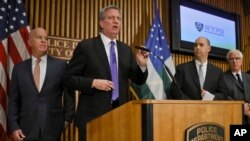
205 131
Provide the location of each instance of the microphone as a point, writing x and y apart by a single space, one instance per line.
143 48
165 66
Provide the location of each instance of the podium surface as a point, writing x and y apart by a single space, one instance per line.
162 120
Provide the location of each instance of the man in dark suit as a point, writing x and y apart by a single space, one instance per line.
90 72
197 77
35 108
234 83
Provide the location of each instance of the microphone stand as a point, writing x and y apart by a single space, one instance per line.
170 74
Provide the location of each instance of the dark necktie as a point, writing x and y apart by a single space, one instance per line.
114 72
239 80
201 76
37 74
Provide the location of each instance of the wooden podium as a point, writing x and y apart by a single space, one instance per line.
162 120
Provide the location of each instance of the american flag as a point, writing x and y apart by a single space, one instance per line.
14 30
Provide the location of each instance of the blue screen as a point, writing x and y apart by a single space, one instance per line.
220 31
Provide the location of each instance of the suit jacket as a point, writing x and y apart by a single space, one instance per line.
233 90
39 112
90 62
187 77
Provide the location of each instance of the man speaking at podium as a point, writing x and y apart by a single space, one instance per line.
100 69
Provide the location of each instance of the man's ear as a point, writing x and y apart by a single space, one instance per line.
101 24
209 48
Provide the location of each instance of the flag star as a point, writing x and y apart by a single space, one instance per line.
18 1
1 17
161 31
22 22
3 9
5 1
162 37
159 25
154 25
157 39
161 57
160 48
9 6
24 14
152 35
156 46
16 9
14 18
6 30
11 27
152 29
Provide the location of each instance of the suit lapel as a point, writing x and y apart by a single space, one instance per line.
234 80
195 74
29 68
209 74
119 53
101 53
245 85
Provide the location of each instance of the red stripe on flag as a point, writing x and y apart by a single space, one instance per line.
3 56
3 135
25 35
13 52
2 98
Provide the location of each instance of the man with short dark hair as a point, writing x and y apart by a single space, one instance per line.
197 77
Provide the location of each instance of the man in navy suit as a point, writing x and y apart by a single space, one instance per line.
187 75
89 70
235 84
35 108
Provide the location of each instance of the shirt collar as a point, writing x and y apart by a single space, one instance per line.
43 58
234 73
106 41
198 63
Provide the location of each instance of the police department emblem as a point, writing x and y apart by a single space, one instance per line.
205 131
199 26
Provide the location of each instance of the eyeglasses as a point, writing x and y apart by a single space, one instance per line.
236 59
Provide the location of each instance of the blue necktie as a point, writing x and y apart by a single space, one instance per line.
114 72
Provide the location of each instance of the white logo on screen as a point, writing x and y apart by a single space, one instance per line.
209 29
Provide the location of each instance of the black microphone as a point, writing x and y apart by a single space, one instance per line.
142 48
165 66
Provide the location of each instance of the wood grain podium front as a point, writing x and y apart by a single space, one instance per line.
162 120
